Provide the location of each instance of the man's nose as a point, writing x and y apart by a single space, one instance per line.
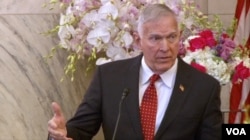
164 45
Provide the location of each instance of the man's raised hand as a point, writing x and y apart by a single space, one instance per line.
57 124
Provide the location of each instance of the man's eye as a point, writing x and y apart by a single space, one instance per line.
172 37
155 38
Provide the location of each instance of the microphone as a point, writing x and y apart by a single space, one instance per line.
124 95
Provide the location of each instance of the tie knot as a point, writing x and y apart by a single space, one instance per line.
154 78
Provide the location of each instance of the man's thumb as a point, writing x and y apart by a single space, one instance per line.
56 109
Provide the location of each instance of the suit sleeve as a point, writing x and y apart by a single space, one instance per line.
87 119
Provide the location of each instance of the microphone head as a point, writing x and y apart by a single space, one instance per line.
125 92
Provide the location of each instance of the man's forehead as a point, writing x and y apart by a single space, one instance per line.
154 31
161 23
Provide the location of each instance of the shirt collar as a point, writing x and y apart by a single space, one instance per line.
167 77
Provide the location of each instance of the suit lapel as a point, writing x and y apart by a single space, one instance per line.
132 100
180 92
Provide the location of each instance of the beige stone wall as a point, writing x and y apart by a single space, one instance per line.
28 84
223 8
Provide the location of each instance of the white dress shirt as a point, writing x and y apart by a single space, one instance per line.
164 87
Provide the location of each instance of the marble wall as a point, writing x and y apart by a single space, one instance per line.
223 8
28 84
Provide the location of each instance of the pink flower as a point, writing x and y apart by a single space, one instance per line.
241 73
211 42
206 34
226 48
225 35
199 67
209 38
197 43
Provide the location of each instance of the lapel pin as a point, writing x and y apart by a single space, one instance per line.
182 88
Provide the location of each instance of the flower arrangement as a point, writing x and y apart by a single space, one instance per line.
101 31
217 56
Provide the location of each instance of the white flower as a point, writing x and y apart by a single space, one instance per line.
102 25
91 18
98 36
215 66
102 60
105 1
246 62
89 27
65 30
124 39
109 11
116 53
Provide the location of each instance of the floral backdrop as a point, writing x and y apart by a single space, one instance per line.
100 31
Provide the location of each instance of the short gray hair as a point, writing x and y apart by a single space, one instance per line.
152 12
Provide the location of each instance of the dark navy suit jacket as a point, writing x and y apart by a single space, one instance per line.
193 112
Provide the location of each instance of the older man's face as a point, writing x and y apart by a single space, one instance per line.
159 43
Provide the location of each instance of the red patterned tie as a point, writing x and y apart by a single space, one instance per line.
148 109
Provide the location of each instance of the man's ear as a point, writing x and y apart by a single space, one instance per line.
137 39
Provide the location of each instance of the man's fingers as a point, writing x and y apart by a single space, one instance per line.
56 134
56 109
52 124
